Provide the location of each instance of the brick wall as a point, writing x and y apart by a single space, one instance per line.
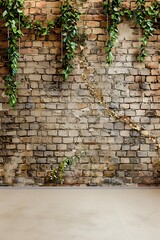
53 118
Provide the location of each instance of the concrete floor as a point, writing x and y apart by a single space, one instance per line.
79 214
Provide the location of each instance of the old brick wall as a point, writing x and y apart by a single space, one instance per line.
53 118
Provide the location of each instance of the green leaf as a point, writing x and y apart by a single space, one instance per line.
4 13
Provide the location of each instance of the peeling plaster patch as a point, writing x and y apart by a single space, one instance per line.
10 171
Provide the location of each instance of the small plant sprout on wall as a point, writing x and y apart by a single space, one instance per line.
57 175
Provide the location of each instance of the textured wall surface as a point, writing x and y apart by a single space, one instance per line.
53 118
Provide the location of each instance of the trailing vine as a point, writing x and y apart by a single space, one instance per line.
39 29
15 20
68 22
112 9
145 17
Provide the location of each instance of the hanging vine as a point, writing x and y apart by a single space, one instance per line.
39 29
112 9
145 17
15 20
68 22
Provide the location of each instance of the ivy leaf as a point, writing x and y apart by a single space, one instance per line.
13 100
19 11
4 13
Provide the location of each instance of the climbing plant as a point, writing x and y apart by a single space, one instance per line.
145 17
15 19
112 9
57 175
68 22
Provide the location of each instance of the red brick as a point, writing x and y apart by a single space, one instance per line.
41 4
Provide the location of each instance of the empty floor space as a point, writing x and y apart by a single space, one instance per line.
79 214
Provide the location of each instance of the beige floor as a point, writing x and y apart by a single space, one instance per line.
79 214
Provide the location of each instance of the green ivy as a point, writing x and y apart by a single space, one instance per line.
15 20
39 29
68 22
145 17
112 9
58 173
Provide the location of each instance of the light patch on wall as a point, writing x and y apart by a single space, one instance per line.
125 32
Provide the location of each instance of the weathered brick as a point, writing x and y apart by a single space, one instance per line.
39 58
109 174
125 160
54 117
126 166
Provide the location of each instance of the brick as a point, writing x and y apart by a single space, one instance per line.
93 24
29 70
41 160
53 4
110 174
121 153
54 117
48 154
125 133
142 154
41 174
119 125
140 112
30 119
155 72
39 58
50 71
131 154
126 166
140 167
24 167
36 44
144 147
19 147
153 65
155 86
129 113
98 31
156 99
118 71
134 106
125 160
